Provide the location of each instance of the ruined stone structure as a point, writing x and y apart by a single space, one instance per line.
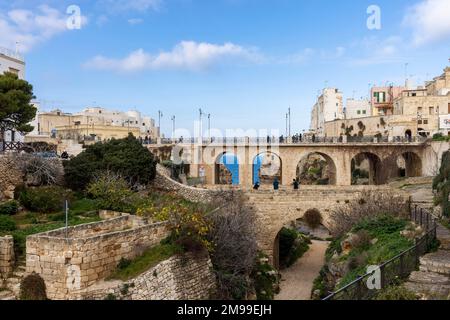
72 261
6 256
10 177
181 277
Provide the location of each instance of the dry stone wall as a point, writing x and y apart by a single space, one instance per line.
10 177
181 277
163 181
6 256
89 253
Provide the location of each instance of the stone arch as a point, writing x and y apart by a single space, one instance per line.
226 169
413 164
316 165
366 169
267 166
403 164
276 237
408 134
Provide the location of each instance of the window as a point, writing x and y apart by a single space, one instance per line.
419 122
358 112
431 110
419 110
364 112
15 71
414 94
425 121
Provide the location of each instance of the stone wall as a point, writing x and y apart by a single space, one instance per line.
6 256
163 181
90 252
183 277
277 209
10 177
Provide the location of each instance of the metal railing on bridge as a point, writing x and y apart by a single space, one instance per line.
286 141
399 267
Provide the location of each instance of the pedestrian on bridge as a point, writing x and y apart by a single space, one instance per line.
276 184
296 184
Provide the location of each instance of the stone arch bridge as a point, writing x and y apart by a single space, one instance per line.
421 159
275 210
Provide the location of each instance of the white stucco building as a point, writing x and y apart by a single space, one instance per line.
329 107
357 109
132 118
13 62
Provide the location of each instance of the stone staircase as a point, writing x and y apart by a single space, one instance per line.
432 281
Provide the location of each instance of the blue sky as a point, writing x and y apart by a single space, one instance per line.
243 61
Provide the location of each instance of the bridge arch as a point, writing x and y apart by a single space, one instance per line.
366 169
316 168
413 164
267 166
402 165
289 223
226 169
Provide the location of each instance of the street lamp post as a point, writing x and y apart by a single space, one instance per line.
173 127
201 123
289 112
286 129
160 115
209 125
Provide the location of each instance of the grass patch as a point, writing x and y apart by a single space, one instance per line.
390 243
21 234
147 260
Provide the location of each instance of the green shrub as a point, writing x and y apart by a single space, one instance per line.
123 263
313 218
126 157
32 287
44 199
9 208
265 279
441 184
111 192
292 246
7 224
361 240
396 293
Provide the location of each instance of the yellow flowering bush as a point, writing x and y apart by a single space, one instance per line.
189 225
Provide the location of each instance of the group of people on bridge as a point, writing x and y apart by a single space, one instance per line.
276 184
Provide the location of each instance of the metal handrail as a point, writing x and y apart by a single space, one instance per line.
430 231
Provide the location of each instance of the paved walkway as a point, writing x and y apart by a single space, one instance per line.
297 281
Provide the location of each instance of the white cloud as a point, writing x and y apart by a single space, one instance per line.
375 50
116 6
135 21
187 55
430 21
30 28
299 58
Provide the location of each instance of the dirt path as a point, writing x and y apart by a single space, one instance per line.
297 281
